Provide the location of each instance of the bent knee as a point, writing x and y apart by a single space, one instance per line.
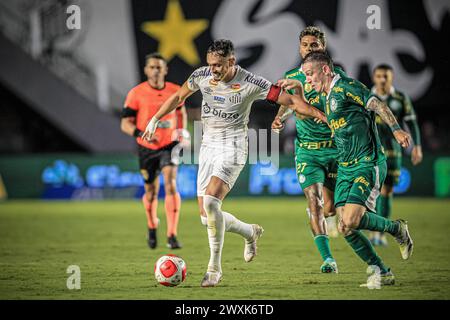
350 221
211 204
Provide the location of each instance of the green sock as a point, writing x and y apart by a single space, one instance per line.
371 221
384 205
364 249
323 244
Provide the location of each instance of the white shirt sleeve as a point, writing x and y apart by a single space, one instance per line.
196 76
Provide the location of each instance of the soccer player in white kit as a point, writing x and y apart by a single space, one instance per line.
228 93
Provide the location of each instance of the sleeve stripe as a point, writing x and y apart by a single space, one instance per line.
274 93
128 112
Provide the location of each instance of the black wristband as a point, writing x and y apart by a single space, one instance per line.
137 133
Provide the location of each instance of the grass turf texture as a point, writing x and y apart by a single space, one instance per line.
39 240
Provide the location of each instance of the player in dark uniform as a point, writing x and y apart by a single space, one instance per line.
403 110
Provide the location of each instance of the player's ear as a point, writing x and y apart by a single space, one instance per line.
232 61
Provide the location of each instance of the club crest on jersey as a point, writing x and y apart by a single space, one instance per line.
302 178
395 105
333 104
308 87
236 98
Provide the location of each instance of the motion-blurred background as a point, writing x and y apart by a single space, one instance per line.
62 89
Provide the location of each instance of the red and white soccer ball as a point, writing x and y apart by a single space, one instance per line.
170 270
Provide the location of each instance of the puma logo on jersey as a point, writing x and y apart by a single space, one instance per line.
362 180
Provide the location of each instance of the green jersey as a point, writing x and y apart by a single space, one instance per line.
310 134
401 107
353 126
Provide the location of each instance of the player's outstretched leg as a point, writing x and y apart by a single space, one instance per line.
356 217
250 232
216 231
398 229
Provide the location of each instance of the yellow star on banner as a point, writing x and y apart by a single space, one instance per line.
176 34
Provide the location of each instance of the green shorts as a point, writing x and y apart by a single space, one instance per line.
360 185
316 167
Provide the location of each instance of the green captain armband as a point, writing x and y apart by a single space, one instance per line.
395 127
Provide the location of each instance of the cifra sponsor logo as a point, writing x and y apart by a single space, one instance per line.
235 86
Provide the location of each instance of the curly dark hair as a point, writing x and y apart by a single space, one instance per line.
221 47
315 32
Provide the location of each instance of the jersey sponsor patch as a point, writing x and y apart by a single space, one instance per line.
260 82
235 86
227 116
219 99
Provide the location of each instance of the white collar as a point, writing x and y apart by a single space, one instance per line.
333 82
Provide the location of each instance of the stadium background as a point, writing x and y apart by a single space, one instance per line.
62 90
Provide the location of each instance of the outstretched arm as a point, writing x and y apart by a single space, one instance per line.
168 106
300 106
380 108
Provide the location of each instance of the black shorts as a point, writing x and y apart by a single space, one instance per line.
151 161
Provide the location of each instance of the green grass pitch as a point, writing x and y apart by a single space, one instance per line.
39 240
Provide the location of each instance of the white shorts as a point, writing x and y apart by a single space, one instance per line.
224 163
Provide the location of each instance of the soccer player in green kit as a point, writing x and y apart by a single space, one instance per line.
350 110
402 108
315 151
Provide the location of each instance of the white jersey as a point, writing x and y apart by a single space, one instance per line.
226 106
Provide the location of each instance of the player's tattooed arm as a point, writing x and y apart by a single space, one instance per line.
380 108
384 112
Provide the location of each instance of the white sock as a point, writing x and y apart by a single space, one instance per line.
216 231
233 224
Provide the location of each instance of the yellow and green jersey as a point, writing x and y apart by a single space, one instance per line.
312 135
353 126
